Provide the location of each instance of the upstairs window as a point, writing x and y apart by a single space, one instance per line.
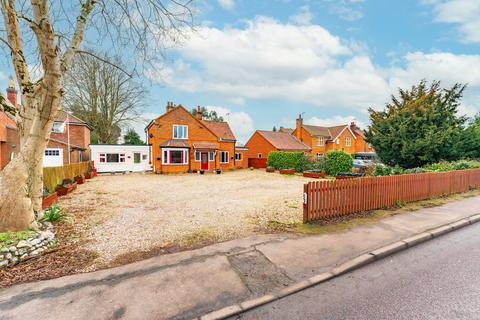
348 141
320 142
223 156
180 131
58 127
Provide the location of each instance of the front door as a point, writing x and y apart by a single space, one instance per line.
204 161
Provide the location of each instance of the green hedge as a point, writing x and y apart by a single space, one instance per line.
288 160
444 166
338 161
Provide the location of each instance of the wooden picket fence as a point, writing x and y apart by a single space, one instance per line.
342 197
52 176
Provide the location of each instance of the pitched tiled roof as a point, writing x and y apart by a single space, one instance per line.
287 130
221 129
326 132
62 116
7 121
284 141
174 143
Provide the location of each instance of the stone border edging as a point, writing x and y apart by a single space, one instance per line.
345 267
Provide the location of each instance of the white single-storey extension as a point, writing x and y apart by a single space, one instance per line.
121 157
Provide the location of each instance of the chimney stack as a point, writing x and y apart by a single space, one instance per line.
298 127
199 113
353 124
169 106
12 92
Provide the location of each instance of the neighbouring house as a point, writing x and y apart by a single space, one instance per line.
182 143
121 158
261 143
347 137
9 135
68 141
287 130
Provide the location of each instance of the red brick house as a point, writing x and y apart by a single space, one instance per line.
9 137
346 137
261 143
68 141
182 143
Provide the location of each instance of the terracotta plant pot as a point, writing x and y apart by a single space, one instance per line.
95 173
88 175
49 200
287 171
80 179
315 175
64 190
270 169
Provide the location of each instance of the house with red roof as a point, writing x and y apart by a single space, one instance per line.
182 142
346 137
68 142
262 142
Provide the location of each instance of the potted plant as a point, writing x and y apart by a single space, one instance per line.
66 187
218 171
79 179
270 169
88 174
202 171
287 171
48 198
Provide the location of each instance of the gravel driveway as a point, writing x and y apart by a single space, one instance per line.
138 212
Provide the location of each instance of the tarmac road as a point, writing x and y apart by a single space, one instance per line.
439 279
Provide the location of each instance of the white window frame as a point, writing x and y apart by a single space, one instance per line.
197 156
228 156
61 129
238 156
211 156
184 131
348 141
320 142
338 141
52 152
259 156
166 161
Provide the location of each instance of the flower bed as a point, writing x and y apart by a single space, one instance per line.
25 249
48 200
315 175
287 171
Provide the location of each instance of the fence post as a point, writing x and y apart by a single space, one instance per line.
305 201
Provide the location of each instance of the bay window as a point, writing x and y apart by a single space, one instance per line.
175 156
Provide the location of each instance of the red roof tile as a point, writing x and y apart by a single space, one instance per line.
221 129
284 141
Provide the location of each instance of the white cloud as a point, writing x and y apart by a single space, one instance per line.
227 4
306 64
240 122
349 10
463 13
303 17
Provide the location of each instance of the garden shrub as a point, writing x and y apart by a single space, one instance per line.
338 161
288 160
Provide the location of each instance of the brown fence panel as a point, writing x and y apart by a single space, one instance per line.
341 197
257 163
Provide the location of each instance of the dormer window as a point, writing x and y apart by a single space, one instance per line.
180 131
58 127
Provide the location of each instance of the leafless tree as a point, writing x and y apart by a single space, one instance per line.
51 33
103 95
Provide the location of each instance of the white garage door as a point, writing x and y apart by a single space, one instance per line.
53 157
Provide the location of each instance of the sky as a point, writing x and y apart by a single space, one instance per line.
261 63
